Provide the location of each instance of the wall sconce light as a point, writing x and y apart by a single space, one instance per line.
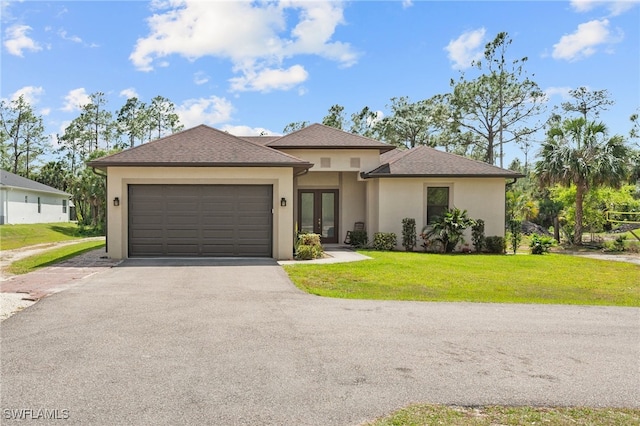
283 202
116 201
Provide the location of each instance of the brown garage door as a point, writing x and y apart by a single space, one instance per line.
200 220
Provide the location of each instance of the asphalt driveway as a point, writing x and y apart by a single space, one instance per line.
214 342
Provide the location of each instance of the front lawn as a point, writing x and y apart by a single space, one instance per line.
549 279
18 236
429 414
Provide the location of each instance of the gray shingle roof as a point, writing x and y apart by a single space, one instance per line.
260 140
423 161
319 136
10 180
201 146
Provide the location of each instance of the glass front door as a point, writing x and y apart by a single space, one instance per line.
318 213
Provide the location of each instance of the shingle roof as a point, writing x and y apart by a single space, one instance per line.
201 146
260 140
10 180
424 161
319 136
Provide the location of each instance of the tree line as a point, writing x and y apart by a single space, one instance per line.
95 132
497 105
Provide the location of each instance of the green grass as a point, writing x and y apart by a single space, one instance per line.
428 414
18 236
51 257
547 279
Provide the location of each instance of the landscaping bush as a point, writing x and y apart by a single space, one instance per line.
616 245
358 239
495 244
408 233
515 234
541 244
477 235
384 241
308 247
448 229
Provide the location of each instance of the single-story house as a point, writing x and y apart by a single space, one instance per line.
23 200
204 192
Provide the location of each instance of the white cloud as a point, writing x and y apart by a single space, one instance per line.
17 40
64 36
563 92
129 92
76 99
269 79
615 7
466 48
211 111
584 41
407 3
248 131
254 36
31 94
200 78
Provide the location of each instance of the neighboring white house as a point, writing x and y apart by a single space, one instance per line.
23 200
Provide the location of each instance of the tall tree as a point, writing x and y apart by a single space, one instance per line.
335 117
163 118
499 105
579 152
98 122
587 102
294 126
21 136
54 174
133 121
363 122
412 123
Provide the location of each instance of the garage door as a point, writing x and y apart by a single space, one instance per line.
200 220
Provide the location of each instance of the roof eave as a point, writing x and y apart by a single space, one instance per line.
443 175
103 165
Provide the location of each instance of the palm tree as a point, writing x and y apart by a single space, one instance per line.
580 153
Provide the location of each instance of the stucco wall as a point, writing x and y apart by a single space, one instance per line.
340 159
118 179
352 196
483 198
15 210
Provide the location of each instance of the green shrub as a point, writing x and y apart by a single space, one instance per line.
477 235
616 245
308 247
541 244
358 239
384 241
448 229
408 233
515 234
495 244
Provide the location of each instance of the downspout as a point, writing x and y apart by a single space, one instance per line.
106 204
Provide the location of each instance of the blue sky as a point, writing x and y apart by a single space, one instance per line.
248 67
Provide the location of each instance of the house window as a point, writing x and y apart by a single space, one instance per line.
437 202
64 206
39 206
26 198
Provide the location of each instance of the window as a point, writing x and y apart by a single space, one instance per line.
26 198
39 206
64 206
437 202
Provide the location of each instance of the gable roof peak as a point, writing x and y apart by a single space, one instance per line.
321 136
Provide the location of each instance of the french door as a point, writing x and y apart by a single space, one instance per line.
318 213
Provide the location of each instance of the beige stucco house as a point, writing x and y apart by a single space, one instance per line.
204 192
